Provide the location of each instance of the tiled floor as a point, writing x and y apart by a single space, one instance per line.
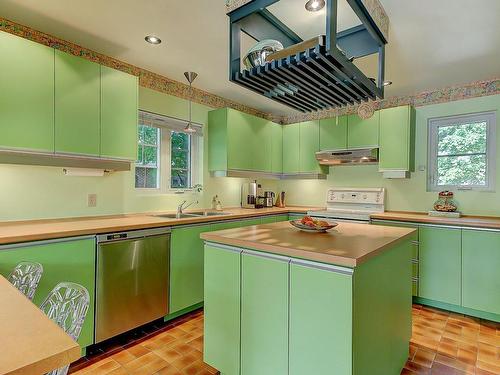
442 343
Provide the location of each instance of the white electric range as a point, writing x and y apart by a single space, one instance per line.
352 204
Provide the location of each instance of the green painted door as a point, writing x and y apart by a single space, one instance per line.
291 148
276 148
261 144
77 101
440 262
320 321
264 315
396 137
309 145
119 115
69 260
186 267
27 94
239 140
362 133
222 309
481 270
333 133
218 146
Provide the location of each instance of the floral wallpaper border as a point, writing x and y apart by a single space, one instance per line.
169 86
146 78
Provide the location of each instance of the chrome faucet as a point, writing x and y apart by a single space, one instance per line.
181 207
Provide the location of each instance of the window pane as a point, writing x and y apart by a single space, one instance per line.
150 135
462 170
141 133
179 179
151 178
180 141
150 155
140 177
180 159
139 155
462 139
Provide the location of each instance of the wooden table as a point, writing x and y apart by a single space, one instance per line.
30 343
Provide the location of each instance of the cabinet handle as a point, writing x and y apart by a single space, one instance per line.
224 247
414 261
259 254
323 266
413 242
415 279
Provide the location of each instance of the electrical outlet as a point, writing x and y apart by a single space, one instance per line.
92 200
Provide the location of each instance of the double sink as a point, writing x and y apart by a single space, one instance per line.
192 214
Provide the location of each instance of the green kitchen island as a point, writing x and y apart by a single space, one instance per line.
279 301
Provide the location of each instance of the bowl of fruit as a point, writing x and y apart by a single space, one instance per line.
308 224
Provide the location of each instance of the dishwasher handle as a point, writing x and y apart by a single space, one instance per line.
121 236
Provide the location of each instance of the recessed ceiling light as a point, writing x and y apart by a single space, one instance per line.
152 39
387 83
315 5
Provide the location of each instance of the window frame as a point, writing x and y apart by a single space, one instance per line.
159 147
433 125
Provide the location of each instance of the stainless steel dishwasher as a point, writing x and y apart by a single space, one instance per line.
132 280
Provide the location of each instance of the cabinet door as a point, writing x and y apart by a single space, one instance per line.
291 148
186 267
396 135
222 309
264 315
27 94
118 114
362 133
239 141
268 220
309 145
261 144
77 112
71 260
440 264
276 148
333 133
320 321
480 270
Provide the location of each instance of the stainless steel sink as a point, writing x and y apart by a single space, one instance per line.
211 213
175 216
192 214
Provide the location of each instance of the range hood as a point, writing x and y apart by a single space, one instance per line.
356 156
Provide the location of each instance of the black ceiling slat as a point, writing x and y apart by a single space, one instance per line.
299 81
251 86
297 64
304 92
265 82
312 58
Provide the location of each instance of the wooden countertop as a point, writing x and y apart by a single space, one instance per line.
31 343
488 222
32 230
348 244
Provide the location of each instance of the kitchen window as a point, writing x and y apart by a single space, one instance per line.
169 159
462 152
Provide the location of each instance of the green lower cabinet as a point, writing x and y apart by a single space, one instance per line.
281 218
186 267
295 216
320 321
440 263
68 260
481 270
222 309
264 314
268 219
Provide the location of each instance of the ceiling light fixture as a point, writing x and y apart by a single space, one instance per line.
315 5
387 83
152 39
190 76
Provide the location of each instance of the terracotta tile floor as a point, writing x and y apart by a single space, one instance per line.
442 343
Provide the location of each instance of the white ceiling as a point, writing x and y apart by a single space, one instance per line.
432 43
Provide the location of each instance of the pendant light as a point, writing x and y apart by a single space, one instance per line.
190 76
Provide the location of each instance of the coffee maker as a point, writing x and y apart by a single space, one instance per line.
250 194
269 199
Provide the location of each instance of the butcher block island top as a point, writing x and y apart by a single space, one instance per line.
31 343
348 244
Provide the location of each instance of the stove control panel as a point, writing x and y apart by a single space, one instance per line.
374 196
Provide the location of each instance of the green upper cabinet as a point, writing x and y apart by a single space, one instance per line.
397 139
291 147
68 260
440 262
308 146
77 105
27 94
363 133
276 148
238 141
264 314
480 270
333 133
119 115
